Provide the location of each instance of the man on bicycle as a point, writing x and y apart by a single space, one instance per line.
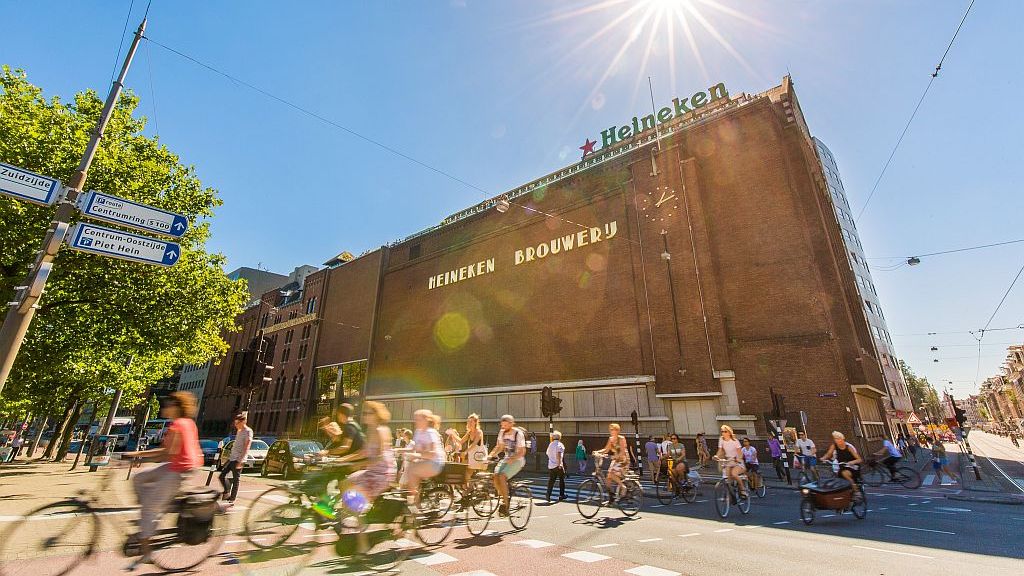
891 455
808 454
156 487
512 441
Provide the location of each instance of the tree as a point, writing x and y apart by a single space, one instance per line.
922 393
98 312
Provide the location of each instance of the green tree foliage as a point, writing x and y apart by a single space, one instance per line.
98 312
921 391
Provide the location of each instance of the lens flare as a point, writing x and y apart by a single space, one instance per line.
451 331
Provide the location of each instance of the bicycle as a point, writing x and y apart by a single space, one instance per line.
876 473
54 539
756 483
836 494
669 488
727 493
592 493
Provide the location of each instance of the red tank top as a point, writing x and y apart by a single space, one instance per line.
189 456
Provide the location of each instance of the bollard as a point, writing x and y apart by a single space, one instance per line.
974 462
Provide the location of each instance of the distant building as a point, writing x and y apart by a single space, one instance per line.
898 405
258 281
192 379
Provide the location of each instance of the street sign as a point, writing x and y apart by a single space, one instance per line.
828 395
117 210
123 245
28 186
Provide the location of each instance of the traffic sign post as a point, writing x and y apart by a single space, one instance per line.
123 245
28 186
109 208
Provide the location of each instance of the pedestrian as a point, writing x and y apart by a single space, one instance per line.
533 442
236 460
940 463
581 457
16 446
703 454
556 465
653 458
912 446
775 450
807 452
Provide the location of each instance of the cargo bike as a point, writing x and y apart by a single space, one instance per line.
834 494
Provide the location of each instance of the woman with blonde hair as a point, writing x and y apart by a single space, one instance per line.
474 449
730 454
425 457
618 449
376 456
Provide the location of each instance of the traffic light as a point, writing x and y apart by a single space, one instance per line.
546 401
960 415
556 405
261 375
635 418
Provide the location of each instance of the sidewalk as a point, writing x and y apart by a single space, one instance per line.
988 489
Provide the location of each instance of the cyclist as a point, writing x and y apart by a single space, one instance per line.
512 441
848 457
750 460
675 454
891 455
156 487
474 449
377 457
731 454
425 457
807 452
618 449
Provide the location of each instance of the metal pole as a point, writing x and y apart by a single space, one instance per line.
16 324
970 456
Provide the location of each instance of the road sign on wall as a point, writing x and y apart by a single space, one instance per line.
117 210
123 245
28 186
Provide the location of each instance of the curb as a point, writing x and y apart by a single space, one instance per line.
1007 499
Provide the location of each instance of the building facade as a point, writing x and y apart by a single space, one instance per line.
192 378
897 402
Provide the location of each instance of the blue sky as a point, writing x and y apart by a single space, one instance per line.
498 93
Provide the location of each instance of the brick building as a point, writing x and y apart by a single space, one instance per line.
683 270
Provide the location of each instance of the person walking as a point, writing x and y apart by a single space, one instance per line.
16 446
653 458
239 452
775 450
556 465
581 457
940 463
912 446
703 454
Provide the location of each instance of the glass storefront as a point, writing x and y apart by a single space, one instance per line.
338 384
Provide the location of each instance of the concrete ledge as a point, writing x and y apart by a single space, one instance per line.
989 498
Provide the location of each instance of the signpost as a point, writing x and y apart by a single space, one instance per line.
123 245
28 186
109 208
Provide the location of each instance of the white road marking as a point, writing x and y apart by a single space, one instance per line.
725 530
948 509
651 571
533 543
882 509
435 559
657 506
755 526
914 504
894 552
476 573
920 529
780 523
934 512
690 534
928 479
649 540
584 556
538 517
571 514
604 545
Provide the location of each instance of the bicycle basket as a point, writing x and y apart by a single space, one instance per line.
453 473
195 515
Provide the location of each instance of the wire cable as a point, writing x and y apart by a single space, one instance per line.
120 45
1003 299
935 75
950 251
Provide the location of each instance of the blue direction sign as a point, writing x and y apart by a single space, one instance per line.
117 210
123 245
29 186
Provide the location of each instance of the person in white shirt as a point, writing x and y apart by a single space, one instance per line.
512 441
730 453
425 457
807 452
239 452
556 465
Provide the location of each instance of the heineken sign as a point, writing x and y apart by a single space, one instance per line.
680 107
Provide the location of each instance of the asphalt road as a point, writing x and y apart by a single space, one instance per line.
905 532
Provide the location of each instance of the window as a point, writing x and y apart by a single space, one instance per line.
869 306
285 354
288 337
302 351
311 305
414 251
295 387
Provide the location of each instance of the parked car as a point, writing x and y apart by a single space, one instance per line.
268 439
290 458
209 448
257 453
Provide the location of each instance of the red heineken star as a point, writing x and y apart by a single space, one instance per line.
588 147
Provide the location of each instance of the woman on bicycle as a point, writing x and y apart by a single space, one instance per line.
425 457
730 453
452 445
511 441
474 451
847 456
750 460
675 452
377 458
618 449
156 487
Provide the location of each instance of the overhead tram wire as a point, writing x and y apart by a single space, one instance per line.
931 80
349 131
120 45
949 251
980 335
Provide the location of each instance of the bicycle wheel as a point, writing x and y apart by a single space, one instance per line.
49 541
379 547
743 500
631 502
875 476
807 509
273 517
589 498
479 512
520 506
666 490
177 546
907 477
722 498
435 515
859 504
689 492
761 491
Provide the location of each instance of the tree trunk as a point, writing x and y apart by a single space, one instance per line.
65 441
58 432
39 433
